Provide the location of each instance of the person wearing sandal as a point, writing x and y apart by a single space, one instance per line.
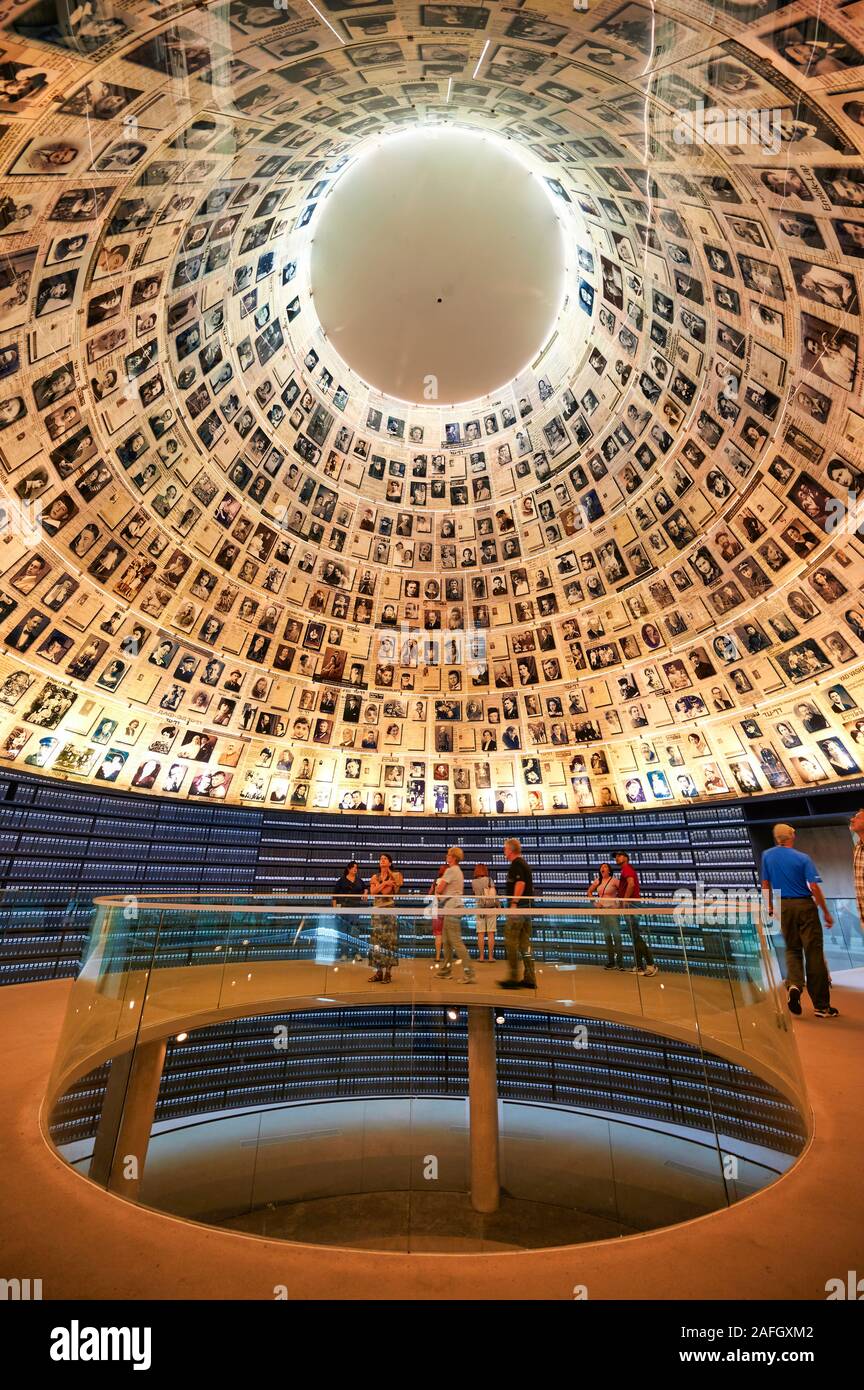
383 939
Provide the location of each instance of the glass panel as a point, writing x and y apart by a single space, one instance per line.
242 1051
844 942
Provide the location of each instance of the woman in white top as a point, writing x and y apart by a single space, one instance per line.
449 889
605 889
486 910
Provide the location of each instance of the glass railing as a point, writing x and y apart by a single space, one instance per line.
44 934
218 1033
843 942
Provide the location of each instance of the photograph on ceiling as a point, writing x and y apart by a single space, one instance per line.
82 29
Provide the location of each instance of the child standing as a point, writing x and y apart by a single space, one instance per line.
486 910
438 920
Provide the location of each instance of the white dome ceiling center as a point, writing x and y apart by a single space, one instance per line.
438 266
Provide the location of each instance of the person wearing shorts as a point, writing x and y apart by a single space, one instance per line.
485 910
438 920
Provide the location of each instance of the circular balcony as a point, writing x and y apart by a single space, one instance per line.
231 1061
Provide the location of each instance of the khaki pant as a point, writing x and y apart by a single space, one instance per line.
517 938
451 936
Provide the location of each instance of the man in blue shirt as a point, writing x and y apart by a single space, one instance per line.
794 878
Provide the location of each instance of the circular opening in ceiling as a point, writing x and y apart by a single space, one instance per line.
438 266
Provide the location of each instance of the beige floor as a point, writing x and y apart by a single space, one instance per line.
783 1243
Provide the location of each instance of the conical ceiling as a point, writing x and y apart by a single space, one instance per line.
234 568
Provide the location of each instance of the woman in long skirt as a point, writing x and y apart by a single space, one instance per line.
383 938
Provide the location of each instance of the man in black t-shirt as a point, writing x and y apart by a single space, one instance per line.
519 893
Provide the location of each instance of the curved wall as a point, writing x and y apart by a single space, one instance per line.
402 1051
61 844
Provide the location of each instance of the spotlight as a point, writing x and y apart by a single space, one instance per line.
499 1018
181 1037
453 1014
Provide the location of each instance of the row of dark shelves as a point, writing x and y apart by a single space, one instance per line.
64 844
396 1051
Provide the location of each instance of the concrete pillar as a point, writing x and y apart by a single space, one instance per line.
483 1109
127 1118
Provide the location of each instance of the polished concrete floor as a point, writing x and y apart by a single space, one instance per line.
248 1170
425 1221
783 1243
